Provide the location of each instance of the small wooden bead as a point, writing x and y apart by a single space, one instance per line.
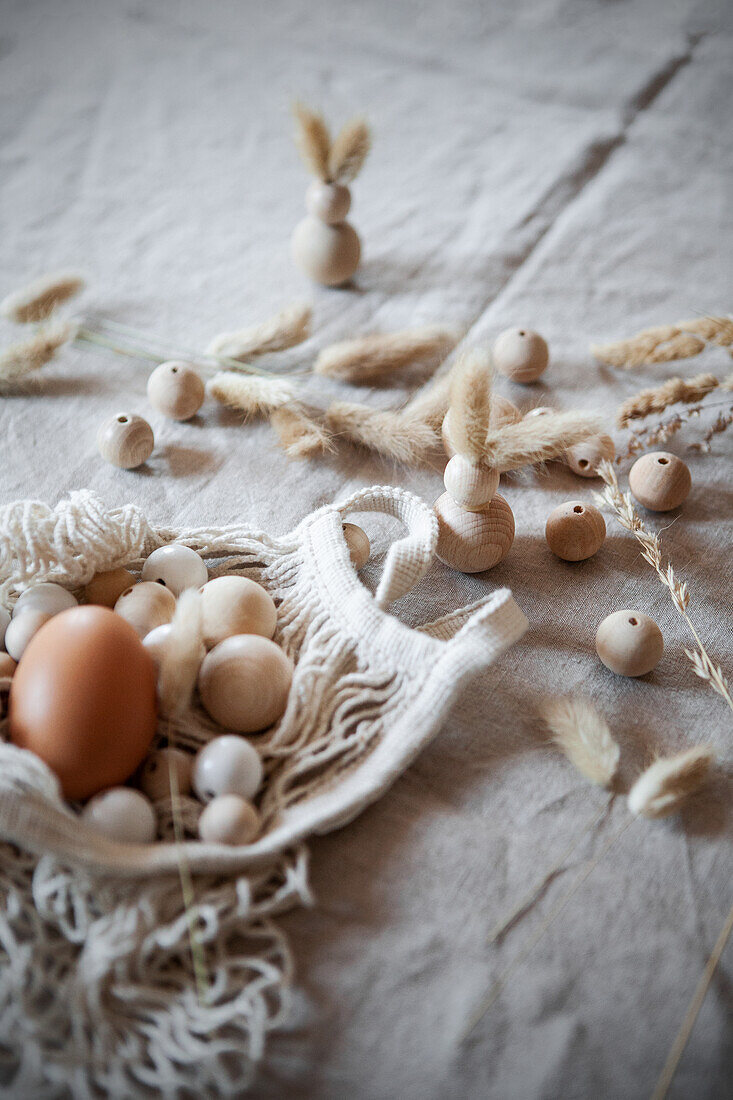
244 683
585 458
660 481
227 765
146 606
503 412
358 544
177 567
106 588
629 643
575 531
330 202
229 819
521 354
236 605
125 440
176 390
155 775
473 541
122 814
471 484
328 254
22 629
46 596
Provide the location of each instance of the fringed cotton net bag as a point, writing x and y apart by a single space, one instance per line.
100 993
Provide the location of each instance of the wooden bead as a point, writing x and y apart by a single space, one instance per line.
146 606
105 589
660 481
229 819
155 774
575 531
22 628
227 765
503 412
121 814
585 458
328 254
125 440
521 354
330 202
244 683
471 484
236 605
358 544
629 643
473 541
177 567
46 596
176 390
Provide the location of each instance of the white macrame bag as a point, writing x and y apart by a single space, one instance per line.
98 984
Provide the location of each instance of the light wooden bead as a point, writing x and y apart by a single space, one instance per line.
22 628
106 588
330 202
503 412
244 683
122 814
156 643
236 605
358 544
629 643
227 765
473 541
176 390
660 481
46 596
585 458
575 531
155 775
328 254
125 440
177 567
145 606
471 484
521 354
229 819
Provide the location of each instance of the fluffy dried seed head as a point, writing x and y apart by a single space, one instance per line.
182 656
583 735
30 355
37 300
537 439
349 151
392 434
286 329
662 788
370 357
300 434
313 141
251 394
470 404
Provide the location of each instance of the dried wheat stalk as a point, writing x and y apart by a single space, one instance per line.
369 357
287 328
672 392
721 423
470 403
38 299
664 343
537 439
583 735
253 396
349 151
300 434
26 356
623 508
661 789
182 656
391 433
313 140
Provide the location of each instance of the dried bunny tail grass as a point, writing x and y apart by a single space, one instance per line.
252 396
29 355
287 328
37 300
658 398
431 403
390 433
537 439
349 151
369 357
665 784
470 403
583 735
299 433
182 656
313 140
661 344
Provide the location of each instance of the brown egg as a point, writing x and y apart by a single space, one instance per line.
83 699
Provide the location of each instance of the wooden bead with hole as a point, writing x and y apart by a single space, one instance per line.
358 544
176 390
145 606
575 531
585 458
125 440
473 541
503 412
471 484
521 354
105 589
629 643
660 481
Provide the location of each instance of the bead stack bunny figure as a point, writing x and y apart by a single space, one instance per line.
325 246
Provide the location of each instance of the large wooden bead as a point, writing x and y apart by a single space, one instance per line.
629 643
471 484
176 390
575 531
473 541
236 605
105 589
358 544
330 202
585 458
660 481
227 765
121 814
177 567
503 412
521 354
155 775
229 819
125 440
244 683
47 597
22 629
328 254
145 606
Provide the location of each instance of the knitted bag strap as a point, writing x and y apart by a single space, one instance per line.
408 559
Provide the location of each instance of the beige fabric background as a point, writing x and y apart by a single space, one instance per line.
561 164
